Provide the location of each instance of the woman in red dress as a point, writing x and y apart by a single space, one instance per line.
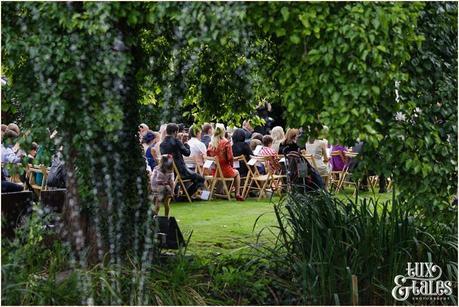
220 147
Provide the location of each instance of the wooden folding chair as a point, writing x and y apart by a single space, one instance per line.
262 182
278 178
192 163
390 183
373 182
236 164
31 171
181 182
211 181
312 161
346 177
335 176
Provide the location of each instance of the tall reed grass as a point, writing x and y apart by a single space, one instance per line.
323 241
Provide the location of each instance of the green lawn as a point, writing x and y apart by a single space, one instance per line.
222 226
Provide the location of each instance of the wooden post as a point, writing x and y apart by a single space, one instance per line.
355 291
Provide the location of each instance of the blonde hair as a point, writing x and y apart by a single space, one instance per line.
277 133
254 143
290 135
162 131
219 133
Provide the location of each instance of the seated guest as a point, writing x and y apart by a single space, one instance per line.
8 186
157 142
162 132
171 145
289 144
150 153
17 150
268 151
143 128
229 132
160 136
254 143
318 150
338 162
278 137
257 136
15 128
220 148
206 134
32 153
57 175
248 130
197 148
240 147
183 137
9 156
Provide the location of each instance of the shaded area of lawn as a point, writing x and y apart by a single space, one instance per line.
222 226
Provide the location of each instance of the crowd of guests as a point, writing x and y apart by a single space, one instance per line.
175 141
12 156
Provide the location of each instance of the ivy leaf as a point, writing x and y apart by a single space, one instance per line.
375 89
285 13
295 39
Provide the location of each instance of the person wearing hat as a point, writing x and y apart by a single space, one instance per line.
149 139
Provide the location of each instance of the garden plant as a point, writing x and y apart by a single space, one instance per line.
382 73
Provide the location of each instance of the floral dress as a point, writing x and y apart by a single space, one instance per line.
162 184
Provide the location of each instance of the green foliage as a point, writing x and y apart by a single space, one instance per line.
333 64
30 267
87 69
323 241
73 67
340 64
205 62
239 280
424 143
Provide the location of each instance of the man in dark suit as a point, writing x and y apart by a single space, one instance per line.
171 145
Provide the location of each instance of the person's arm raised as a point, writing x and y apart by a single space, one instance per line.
184 148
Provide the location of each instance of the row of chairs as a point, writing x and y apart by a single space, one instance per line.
336 180
272 181
31 173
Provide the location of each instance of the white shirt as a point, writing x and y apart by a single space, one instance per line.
8 155
198 149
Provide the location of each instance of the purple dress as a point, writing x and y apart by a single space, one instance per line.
337 163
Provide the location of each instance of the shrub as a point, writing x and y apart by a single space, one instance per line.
323 241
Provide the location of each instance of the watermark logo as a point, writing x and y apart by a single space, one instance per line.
422 280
